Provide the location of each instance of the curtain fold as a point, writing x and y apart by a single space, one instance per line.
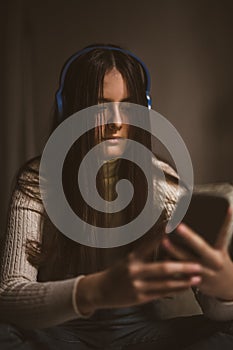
17 131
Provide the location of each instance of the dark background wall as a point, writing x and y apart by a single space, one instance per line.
187 46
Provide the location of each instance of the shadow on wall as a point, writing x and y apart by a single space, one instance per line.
221 136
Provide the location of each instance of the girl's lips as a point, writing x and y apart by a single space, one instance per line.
112 137
113 140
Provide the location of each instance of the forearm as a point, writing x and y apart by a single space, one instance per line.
88 294
37 305
23 300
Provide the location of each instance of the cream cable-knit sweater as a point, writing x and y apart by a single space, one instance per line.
24 300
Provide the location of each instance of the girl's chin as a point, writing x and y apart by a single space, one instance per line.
108 154
113 150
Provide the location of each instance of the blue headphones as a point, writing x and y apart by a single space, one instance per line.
88 49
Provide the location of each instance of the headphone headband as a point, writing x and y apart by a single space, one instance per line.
86 50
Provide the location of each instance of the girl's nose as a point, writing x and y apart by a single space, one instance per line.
116 120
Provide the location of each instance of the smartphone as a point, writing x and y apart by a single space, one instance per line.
205 215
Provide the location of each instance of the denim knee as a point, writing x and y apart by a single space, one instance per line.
12 338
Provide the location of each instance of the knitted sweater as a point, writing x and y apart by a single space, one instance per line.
24 299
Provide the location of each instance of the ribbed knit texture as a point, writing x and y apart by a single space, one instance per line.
24 300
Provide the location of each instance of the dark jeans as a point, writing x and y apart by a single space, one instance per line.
132 328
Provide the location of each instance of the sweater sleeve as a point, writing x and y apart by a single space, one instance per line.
23 300
214 308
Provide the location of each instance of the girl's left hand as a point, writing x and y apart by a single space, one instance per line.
217 266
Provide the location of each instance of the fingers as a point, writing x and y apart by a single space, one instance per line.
168 280
180 254
146 297
177 252
163 270
198 245
221 242
165 286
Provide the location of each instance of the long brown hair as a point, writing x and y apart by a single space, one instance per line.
83 87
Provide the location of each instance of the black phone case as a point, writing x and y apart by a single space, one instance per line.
207 212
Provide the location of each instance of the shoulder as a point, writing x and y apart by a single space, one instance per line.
168 186
27 180
170 174
32 165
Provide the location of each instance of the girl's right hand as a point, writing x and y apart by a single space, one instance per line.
133 281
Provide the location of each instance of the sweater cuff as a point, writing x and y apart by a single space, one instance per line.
215 308
74 299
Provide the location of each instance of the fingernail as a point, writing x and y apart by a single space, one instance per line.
181 227
196 267
195 280
168 228
166 242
